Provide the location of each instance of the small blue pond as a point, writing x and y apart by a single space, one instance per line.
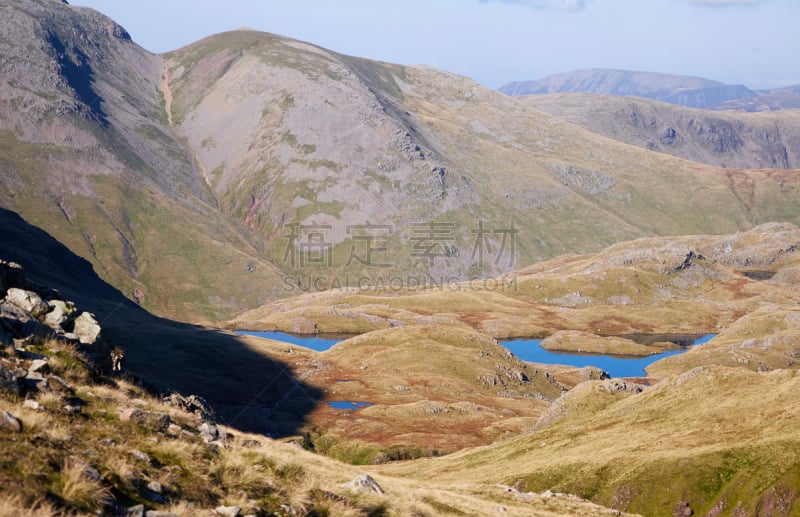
530 350
320 343
346 404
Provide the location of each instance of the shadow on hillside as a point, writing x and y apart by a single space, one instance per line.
247 390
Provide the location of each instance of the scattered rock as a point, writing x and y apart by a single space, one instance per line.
522 496
155 486
228 511
191 404
141 456
691 256
9 381
154 420
35 382
210 432
682 509
249 443
60 313
12 313
618 386
10 422
363 483
174 430
72 409
32 404
593 373
87 329
39 365
60 385
87 470
134 511
28 301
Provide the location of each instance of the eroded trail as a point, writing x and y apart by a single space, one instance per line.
165 89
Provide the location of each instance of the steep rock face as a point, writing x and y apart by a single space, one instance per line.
86 151
289 133
720 139
298 143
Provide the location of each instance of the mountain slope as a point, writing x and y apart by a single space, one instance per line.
721 139
299 138
248 167
86 152
693 92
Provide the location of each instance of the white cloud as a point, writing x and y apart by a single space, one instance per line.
564 5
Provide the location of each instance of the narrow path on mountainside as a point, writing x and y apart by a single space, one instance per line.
167 91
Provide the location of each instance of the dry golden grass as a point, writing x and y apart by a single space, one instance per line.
584 342
55 452
76 490
709 435
13 505
631 287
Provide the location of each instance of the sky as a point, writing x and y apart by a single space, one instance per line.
750 42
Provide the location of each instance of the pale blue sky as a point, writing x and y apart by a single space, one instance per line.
752 42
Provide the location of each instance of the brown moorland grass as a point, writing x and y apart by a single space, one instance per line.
64 463
716 437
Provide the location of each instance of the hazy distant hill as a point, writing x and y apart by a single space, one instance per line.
247 167
722 139
693 92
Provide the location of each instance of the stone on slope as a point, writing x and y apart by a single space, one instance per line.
9 381
154 420
10 422
87 328
28 301
228 511
363 483
60 312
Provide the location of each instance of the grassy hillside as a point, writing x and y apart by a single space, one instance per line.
692 284
91 461
304 143
248 167
723 440
87 154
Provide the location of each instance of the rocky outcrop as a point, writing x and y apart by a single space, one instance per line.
191 404
620 386
152 420
31 315
29 312
364 483
28 301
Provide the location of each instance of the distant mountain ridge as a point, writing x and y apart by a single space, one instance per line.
692 92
